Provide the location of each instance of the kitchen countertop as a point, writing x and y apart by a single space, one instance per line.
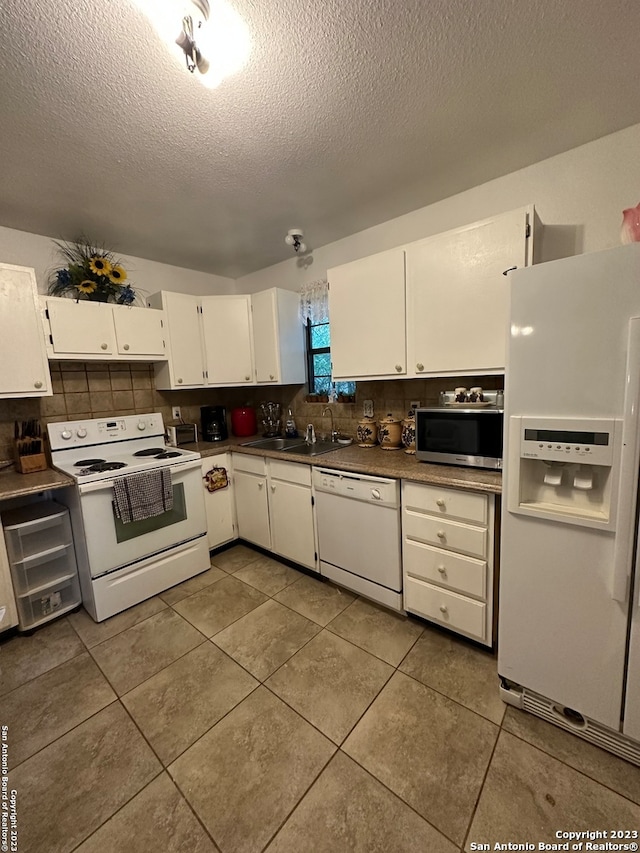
370 460
15 485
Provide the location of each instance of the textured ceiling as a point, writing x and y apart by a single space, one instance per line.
348 113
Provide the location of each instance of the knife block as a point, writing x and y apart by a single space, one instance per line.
29 464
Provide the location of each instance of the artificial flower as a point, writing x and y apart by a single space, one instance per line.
100 266
118 274
126 296
64 277
86 286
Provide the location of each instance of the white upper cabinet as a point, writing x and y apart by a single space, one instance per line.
444 315
185 358
228 345
100 330
138 333
80 328
23 354
457 295
231 340
367 316
278 337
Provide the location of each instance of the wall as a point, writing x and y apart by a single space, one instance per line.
34 250
579 196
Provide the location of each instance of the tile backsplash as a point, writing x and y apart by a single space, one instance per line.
102 389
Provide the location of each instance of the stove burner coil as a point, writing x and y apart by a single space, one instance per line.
150 451
84 463
107 466
168 454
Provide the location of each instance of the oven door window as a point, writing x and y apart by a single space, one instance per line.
125 532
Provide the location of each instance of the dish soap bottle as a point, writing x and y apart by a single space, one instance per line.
290 430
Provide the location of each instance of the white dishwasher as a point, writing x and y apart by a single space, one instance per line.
358 518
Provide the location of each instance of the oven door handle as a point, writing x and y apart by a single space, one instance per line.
100 485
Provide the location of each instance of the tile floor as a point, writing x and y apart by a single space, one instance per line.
256 708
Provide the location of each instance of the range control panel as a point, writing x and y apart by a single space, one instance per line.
584 440
102 431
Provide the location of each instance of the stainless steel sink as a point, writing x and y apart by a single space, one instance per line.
294 445
314 449
275 443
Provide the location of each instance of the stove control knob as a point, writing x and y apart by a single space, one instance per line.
65 434
142 425
81 433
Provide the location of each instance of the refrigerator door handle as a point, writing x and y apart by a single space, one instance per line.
629 460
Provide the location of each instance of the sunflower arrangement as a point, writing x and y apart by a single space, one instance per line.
91 272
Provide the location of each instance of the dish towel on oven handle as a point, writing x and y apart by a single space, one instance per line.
144 495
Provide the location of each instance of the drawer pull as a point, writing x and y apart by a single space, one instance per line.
444 609
440 502
441 534
442 570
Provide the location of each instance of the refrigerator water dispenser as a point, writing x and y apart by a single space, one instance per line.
564 469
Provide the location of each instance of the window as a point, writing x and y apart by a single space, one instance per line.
319 361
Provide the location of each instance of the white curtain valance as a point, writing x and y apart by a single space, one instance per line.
314 302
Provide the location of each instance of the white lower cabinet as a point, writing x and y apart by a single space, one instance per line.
448 551
252 504
219 505
291 512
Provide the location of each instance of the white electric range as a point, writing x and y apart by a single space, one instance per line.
122 564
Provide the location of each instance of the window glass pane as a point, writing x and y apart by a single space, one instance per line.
346 387
320 336
322 385
322 364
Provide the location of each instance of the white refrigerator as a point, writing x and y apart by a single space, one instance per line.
569 624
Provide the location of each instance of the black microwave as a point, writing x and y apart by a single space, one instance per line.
460 436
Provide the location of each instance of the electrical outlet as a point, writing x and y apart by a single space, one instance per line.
415 404
176 414
368 408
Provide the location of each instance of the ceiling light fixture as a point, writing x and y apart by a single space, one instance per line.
294 238
209 34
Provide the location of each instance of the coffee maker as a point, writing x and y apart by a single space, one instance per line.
214 423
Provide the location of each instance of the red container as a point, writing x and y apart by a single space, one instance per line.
243 422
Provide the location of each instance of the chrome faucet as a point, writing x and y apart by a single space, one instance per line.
333 433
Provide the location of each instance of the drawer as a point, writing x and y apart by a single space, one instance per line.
445 534
35 529
447 503
290 472
453 571
250 464
446 608
50 601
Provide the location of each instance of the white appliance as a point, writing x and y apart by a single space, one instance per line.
358 520
122 564
569 628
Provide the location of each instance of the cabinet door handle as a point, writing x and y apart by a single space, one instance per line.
104 346
260 485
271 376
37 384
179 381
419 366
444 609
399 368
126 346
273 488
440 502
441 534
442 570
247 378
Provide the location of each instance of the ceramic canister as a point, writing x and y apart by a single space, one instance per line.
390 433
409 432
367 432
